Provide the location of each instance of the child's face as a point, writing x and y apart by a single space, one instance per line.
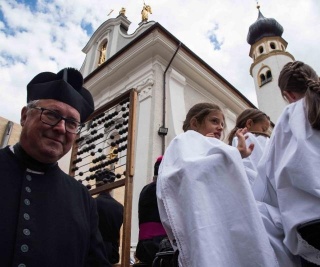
260 126
212 125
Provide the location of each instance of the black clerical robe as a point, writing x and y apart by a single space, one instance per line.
46 218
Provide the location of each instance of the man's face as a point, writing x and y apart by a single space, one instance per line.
43 142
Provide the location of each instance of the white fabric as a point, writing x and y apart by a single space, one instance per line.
270 215
251 162
272 222
207 207
289 176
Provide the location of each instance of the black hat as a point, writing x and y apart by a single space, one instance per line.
156 165
65 86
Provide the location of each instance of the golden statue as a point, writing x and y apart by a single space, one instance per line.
122 11
145 11
102 57
113 153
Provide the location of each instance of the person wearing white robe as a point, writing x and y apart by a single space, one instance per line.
289 179
258 124
207 207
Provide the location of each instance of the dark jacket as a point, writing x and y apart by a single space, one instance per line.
110 220
148 212
47 218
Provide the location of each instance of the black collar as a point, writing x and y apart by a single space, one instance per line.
29 162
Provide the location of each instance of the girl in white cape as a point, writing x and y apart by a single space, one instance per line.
258 124
289 177
205 201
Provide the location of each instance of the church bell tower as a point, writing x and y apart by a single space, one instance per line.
268 51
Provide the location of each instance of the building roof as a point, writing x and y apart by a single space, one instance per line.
155 26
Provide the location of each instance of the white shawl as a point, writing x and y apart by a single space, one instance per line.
207 206
289 176
270 215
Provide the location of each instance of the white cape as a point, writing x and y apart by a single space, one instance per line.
289 176
207 207
270 215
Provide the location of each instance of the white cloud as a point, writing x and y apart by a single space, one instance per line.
49 36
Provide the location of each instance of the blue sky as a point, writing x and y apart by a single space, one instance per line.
42 35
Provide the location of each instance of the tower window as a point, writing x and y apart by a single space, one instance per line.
265 76
269 75
262 79
272 45
282 47
261 49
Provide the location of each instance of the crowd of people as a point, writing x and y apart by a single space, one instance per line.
250 202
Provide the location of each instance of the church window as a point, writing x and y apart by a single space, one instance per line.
272 45
269 75
261 49
265 76
282 47
262 79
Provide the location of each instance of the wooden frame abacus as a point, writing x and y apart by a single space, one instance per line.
105 149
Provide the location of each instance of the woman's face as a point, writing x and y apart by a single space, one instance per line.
212 125
260 126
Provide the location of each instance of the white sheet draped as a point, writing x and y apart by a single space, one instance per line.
270 215
289 176
207 206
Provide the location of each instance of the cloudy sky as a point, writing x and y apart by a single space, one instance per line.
48 35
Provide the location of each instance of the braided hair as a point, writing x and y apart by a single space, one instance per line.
253 114
300 78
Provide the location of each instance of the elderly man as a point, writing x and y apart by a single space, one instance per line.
47 217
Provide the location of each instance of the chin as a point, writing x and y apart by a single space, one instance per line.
51 155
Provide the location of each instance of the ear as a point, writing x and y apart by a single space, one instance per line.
290 96
249 124
193 124
23 116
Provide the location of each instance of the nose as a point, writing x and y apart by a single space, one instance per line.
60 126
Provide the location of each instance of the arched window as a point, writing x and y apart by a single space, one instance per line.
272 45
269 75
103 53
262 79
261 49
265 76
282 47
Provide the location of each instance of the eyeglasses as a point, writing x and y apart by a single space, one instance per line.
52 118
